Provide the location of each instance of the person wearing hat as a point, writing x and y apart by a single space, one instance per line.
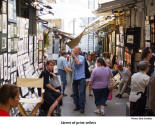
62 69
125 77
139 82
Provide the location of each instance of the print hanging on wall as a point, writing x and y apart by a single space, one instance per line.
13 62
3 43
147 32
5 59
12 79
1 66
0 23
12 45
9 45
4 7
5 73
4 23
12 11
15 77
9 60
2 73
130 39
15 44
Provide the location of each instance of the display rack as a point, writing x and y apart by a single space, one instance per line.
18 50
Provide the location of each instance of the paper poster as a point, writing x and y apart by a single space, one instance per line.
4 6
4 43
5 59
4 23
13 62
5 73
130 39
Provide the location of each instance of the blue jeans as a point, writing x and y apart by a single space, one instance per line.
62 74
79 88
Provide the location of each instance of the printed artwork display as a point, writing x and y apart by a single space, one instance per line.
13 62
12 79
5 59
12 11
15 77
5 73
0 23
4 43
9 45
15 44
147 32
130 39
1 66
4 7
9 60
8 74
2 73
4 23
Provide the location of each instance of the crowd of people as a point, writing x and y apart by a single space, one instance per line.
81 70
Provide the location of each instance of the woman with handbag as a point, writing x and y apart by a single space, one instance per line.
99 81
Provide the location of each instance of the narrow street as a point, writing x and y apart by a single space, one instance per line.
115 107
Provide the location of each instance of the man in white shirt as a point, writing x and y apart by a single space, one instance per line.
125 77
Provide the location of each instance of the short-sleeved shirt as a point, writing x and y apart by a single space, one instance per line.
125 74
46 76
3 113
79 69
61 63
100 77
139 81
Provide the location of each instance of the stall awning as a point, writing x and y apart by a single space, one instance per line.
109 6
92 27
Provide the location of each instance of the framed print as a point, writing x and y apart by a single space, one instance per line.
13 62
2 72
3 43
1 61
5 73
15 77
0 23
4 23
147 32
9 45
9 60
9 31
5 56
1 66
130 39
4 7
117 39
12 11
12 79
12 45
15 44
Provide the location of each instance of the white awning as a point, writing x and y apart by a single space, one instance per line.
116 4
